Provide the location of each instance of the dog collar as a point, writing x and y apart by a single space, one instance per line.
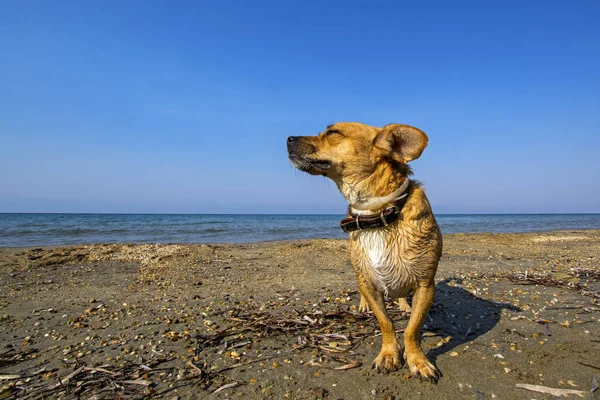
388 215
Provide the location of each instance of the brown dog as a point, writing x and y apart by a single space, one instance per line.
395 242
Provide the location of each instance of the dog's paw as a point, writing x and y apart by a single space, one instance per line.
388 360
403 305
364 305
421 367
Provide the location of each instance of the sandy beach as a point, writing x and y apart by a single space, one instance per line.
279 320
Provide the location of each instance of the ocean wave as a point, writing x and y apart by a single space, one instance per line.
62 229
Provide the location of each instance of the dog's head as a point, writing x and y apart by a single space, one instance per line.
350 152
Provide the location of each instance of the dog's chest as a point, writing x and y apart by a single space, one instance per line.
379 256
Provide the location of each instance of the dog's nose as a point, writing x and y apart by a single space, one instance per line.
292 139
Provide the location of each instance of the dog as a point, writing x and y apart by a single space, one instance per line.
395 242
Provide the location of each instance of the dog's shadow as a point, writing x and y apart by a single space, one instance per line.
462 315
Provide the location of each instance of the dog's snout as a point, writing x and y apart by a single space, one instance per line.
292 144
299 145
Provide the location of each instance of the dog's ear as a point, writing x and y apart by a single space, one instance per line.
403 143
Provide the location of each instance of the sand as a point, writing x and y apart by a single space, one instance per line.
279 320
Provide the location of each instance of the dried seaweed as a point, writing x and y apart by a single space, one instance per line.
572 283
328 333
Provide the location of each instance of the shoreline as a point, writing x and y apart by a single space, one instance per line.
62 229
298 214
275 319
283 241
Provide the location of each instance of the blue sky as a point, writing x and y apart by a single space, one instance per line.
184 107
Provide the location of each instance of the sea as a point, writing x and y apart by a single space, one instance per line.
26 230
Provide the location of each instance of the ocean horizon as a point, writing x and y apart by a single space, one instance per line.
55 229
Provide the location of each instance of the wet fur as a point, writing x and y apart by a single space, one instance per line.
402 258
398 257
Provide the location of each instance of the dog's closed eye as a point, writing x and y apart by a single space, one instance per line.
330 132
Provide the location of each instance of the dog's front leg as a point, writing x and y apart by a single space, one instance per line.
389 357
418 364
